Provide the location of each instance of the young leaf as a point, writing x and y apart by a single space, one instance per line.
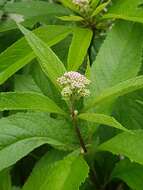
20 54
126 10
70 5
23 132
78 48
117 90
126 144
28 101
102 119
50 63
100 8
68 173
25 83
74 18
94 3
129 172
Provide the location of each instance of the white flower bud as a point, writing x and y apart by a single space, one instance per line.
74 84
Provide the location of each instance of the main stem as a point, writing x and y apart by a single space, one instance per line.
74 120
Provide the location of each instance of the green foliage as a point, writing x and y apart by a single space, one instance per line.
80 44
129 172
23 132
66 173
5 180
49 62
102 119
126 9
20 54
48 140
126 144
28 101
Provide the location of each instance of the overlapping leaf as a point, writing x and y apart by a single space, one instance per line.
102 119
68 173
126 9
23 132
28 101
126 144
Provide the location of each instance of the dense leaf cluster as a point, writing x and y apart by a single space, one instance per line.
51 143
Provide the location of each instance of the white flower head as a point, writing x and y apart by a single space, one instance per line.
82 4
74 84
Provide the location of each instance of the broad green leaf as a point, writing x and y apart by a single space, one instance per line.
5 180
78 48
100 8
102 119
129 172
23 132
68 173
35 8
130 145
32 12
120 89
127 10
121 61
39 174
20 54
28 101
50 63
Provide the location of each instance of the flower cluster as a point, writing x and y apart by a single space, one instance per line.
82 4
74 85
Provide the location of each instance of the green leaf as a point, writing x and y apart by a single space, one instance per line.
23 83
28 101
39 174
23 132
102 119
50 63
128 111
71 18
130 145
36 8
20 54
118 90
5 180
94 3
127 10
68 173
100 8
129 172
121 61
78 48
70 5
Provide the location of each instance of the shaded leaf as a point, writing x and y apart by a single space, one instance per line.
129 172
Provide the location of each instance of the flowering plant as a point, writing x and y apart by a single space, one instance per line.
71 95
